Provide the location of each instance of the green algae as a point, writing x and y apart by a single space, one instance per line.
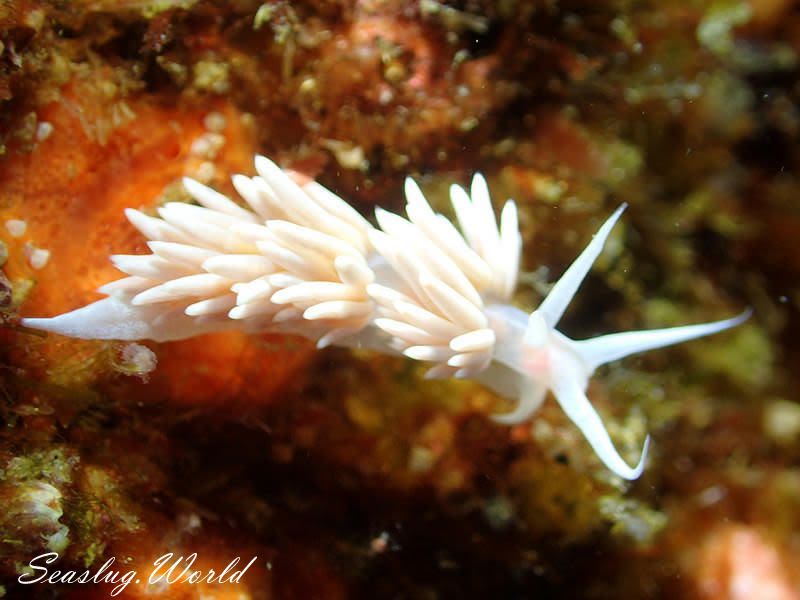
715 31
632 520
211 76
54 465
746 358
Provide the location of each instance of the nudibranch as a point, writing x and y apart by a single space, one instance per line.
296 258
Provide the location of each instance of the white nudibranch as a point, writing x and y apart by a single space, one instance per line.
298 259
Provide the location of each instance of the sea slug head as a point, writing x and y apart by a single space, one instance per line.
545 360
542 359
547 355
536 359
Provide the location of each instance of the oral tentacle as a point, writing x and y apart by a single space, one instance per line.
607 348
576 405
557 301
530 399
537 331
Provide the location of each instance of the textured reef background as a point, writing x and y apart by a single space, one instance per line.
344 472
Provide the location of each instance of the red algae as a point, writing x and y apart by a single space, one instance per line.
737 563
91 183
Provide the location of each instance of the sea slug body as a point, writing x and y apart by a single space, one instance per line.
299 259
